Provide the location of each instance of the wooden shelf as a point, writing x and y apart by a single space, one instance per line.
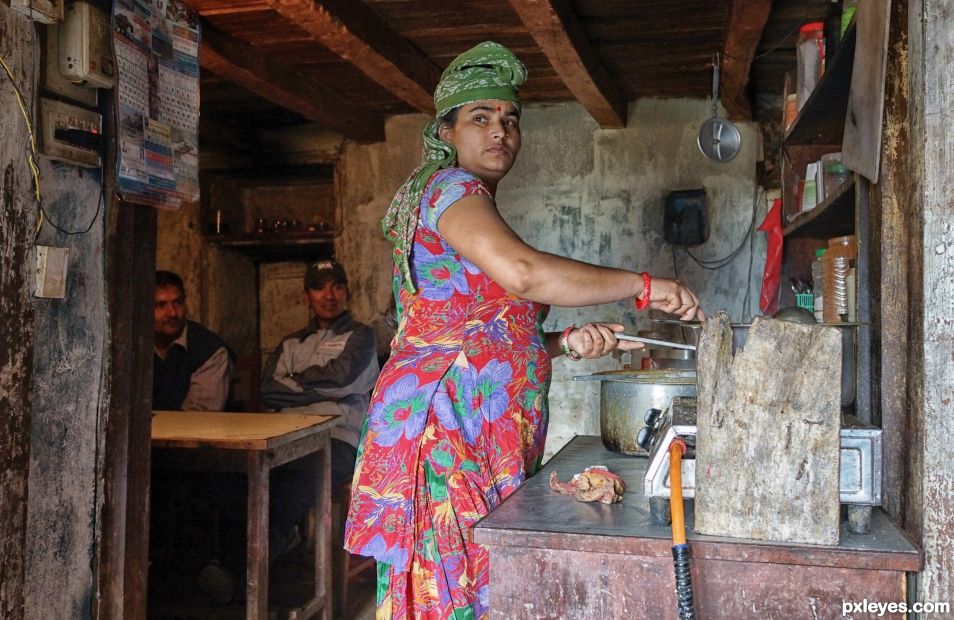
834 217
822 118
278 246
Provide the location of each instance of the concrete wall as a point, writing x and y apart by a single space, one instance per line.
49 525
583 192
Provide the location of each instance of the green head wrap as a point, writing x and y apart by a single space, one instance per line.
486 71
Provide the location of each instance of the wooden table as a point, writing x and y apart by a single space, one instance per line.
256 443
554 557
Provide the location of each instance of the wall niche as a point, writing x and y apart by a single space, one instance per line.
287 213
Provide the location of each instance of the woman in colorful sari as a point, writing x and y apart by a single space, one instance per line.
458 417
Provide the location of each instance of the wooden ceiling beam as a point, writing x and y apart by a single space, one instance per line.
560 36
245 66
747 19
357 34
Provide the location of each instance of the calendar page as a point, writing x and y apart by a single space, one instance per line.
157 52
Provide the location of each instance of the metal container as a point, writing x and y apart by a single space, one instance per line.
740 333
672 359
626 395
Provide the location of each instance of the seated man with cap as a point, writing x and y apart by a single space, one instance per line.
329 367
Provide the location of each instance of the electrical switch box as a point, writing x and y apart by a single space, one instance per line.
684 220
54 82
51 271
86 50
43 11
70 133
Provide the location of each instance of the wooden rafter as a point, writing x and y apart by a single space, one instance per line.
560 36
247 67
746 21
356 33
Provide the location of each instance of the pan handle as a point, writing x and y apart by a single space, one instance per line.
660 343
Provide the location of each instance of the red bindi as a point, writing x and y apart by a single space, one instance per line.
498 108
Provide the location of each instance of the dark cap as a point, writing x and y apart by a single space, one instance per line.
324 270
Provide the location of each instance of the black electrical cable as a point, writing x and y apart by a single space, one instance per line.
99 206
747 300
719 263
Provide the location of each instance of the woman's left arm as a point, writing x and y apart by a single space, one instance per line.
590 341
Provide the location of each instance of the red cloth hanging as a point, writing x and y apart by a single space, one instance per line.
772 226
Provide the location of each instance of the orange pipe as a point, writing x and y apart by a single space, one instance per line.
676 449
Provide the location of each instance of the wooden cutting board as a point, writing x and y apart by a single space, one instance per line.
769 418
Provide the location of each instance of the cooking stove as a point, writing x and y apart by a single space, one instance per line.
860 454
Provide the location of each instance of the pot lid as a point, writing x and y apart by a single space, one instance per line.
719 139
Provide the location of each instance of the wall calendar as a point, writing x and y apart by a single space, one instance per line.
157 57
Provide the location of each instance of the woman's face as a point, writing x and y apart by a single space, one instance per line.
486 135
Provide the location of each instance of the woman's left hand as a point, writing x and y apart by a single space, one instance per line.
595 340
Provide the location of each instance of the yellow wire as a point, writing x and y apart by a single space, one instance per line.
31 159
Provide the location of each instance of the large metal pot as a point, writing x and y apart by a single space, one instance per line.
626 395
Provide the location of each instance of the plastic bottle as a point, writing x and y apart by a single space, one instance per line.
818 284
836 264
833 171
811 59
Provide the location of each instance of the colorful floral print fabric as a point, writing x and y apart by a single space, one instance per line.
457 422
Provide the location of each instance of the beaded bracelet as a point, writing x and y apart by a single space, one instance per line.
565 345
642 302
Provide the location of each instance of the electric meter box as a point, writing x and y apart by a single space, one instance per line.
43 11
86 51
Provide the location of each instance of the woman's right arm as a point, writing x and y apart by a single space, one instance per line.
474 228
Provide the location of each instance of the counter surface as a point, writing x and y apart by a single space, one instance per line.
536 516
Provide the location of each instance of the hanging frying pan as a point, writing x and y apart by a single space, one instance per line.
719 139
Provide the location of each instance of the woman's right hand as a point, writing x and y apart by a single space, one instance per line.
674 297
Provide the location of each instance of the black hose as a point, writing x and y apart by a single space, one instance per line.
680 559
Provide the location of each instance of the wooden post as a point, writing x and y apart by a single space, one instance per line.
17 226
930 501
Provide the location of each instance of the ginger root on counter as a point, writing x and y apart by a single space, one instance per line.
594 484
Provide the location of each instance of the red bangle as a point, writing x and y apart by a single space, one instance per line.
565 344
642 302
